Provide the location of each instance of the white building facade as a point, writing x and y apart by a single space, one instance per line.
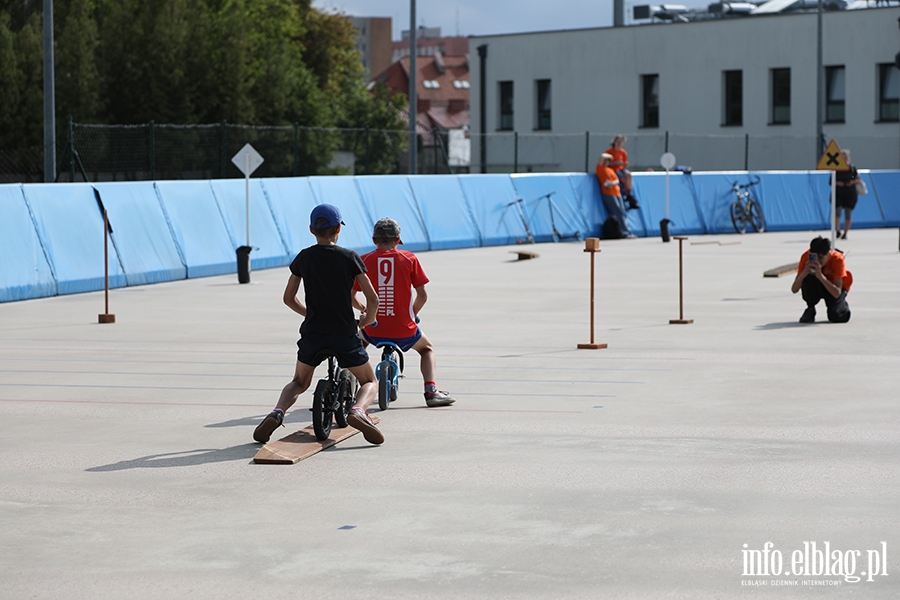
726 93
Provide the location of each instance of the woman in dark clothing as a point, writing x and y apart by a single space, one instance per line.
845 196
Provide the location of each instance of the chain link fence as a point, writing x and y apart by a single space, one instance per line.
155 152
513 152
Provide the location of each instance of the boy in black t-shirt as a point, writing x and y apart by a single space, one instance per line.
328 272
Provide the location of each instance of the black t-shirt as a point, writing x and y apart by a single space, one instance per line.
327 273
846 177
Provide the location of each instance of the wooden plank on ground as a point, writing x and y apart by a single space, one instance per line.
524 255
782 270
302 444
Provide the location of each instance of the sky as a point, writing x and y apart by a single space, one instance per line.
487 17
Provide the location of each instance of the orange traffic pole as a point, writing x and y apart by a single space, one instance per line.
680 320
106 317
592 246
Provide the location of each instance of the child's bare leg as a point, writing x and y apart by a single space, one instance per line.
428 360
303 374
365 375
358 418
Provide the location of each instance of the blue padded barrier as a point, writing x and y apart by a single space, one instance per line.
393 197
70 226
790 200
650 189
268 248
445 212
198 227
559 210
342 192
587 193
489 197
142 235
26 272
886 188
291 200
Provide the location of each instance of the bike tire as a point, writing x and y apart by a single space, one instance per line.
322 412
738 218
757 219
385 380
345 398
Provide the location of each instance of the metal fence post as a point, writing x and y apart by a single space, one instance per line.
224 158
366 163
587 151
667 141
152 150
746 151
515 151
296 149
71 149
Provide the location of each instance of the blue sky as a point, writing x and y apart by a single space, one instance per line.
486 17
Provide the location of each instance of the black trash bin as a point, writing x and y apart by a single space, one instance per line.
664 229
243 264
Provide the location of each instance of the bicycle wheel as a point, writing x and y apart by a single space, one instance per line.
321 410
738 218
757 220
385 377
345 399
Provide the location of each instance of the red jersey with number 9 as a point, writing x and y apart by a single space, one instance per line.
394 275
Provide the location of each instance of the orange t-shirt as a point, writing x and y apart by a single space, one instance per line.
605 174
618 155
835 268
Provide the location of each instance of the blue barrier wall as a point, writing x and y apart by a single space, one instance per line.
51 235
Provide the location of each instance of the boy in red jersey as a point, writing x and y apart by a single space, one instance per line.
395 274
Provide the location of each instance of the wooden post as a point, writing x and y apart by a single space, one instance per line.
106 317
592 245
680 320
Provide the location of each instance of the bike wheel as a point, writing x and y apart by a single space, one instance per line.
738 219
322 410
345 398
757 220
385 378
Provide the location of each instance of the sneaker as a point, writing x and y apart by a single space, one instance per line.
808 316
632 202
358 419
844 237
264 430
438 398
629 236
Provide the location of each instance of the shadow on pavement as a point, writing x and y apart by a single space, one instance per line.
188 458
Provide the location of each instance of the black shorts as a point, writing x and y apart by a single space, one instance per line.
312 349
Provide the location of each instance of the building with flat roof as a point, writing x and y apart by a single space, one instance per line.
751 77
373 42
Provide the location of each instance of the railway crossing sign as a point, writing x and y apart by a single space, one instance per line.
832 159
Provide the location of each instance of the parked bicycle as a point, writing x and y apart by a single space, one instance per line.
746 209
333 398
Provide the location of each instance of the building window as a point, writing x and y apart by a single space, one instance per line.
734 98
431 84
543 103
461 84
506 105
650 100
888 92
834 94
781 96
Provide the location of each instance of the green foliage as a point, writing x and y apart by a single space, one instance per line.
255 62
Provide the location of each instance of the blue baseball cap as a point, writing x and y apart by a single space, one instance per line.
328 212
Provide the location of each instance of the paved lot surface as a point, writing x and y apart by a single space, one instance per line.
637 471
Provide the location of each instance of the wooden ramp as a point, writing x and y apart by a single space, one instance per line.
782 270
524 254
302 444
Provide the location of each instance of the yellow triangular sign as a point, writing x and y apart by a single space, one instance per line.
832 160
